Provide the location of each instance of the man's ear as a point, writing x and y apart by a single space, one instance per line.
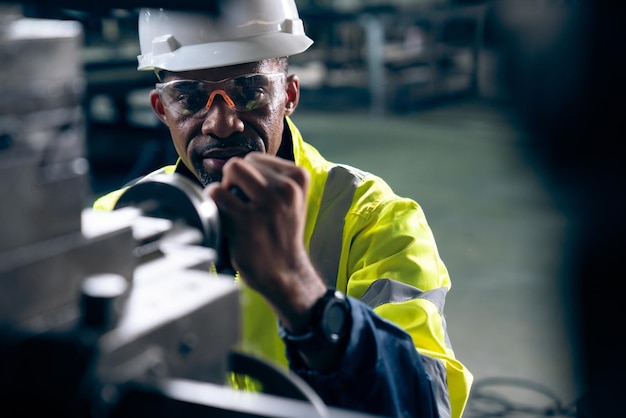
157 106
292 88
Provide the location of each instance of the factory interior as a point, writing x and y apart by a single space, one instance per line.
449 102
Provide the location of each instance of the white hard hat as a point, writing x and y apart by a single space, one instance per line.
242 31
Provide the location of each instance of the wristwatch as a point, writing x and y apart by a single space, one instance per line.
330 324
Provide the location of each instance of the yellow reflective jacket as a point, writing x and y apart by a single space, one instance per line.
374 246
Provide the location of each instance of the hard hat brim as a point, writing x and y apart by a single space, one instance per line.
225 53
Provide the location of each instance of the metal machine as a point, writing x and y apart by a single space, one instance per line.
108 314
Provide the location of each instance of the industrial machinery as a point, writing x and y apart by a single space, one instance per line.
109 314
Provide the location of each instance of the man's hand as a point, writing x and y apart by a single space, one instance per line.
265 233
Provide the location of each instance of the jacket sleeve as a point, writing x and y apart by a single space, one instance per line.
390 262
377 353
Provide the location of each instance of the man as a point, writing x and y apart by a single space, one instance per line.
297 226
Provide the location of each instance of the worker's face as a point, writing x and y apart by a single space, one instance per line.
211 122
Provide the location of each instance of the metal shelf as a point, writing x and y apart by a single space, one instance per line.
402 56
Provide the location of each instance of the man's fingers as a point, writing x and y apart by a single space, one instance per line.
236 190
273 167
259 178
243 180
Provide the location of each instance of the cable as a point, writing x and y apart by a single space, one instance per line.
485 403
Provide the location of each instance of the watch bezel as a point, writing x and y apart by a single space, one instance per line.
337 300
319 335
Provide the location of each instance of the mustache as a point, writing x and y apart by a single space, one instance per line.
201 149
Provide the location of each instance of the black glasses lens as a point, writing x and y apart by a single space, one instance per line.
250 92
187 96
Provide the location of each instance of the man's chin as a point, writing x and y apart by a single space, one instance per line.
208 178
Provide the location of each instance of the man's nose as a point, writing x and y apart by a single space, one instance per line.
221 118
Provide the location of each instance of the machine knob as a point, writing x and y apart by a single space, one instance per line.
102 299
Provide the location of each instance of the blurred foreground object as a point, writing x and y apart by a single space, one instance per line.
85 309
562 66
109 314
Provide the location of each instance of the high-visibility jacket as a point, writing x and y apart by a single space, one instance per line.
378 249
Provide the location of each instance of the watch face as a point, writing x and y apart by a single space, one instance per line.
334 320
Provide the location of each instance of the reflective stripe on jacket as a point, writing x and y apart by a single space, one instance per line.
374 246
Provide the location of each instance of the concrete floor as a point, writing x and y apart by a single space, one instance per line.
498 230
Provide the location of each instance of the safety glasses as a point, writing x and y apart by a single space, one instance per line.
243 93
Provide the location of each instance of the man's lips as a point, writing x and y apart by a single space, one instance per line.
211 164
215 160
